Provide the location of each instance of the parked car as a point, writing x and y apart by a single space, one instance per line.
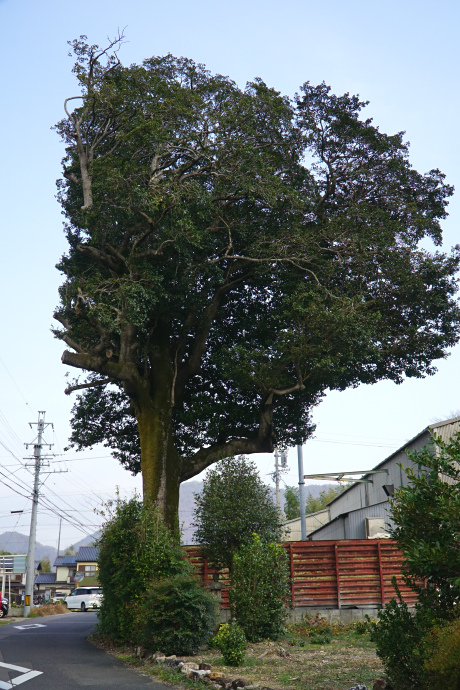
58 597
84 598
4 605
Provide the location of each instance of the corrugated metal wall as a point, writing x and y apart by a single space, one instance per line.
364 495
336 574
352 524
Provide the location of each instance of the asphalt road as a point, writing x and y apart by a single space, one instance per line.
59 651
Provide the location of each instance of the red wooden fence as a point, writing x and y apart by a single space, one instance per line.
333 574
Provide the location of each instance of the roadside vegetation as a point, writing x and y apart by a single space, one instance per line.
311 654
48 610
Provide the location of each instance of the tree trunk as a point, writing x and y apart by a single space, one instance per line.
160 461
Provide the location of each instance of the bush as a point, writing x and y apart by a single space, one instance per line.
177 615
231 642
399 638
443 657
402 637
135 548
260 589
317 629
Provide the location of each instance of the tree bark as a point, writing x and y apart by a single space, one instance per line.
152 400
160 461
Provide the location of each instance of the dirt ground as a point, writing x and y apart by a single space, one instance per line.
349 659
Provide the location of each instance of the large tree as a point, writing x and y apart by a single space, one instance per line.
232 255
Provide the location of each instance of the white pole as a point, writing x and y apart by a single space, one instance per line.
277 479
30 570
303 522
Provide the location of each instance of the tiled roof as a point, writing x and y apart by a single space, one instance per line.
69 561
45 579
87 554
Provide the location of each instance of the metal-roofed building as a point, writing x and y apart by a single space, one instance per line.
362 510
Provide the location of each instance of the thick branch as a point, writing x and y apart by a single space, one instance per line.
262 443
207 456
285 391
192 366
102 382
118 371
115 262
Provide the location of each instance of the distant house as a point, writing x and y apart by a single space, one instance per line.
362 511
66 567
45 585
87 564
60 582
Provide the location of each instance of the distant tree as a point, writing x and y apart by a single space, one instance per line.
233 254
45 565
312 503
234 505
4 553
70 551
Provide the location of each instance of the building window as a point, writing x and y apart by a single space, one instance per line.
90 570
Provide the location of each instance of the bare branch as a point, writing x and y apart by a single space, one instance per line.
92 384
71 177
115 263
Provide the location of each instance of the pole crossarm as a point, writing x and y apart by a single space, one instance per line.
342 476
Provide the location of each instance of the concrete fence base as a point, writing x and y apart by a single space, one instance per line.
343 615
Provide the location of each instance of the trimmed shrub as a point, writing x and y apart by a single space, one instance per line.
231 642
135 548
260 589
177 615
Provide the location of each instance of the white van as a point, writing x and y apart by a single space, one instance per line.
84 598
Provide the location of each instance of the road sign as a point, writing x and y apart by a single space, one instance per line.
79 577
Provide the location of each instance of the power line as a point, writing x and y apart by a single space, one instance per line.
14 383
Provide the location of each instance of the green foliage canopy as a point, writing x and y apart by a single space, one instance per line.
234 253
233 505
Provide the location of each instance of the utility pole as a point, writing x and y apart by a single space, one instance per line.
30 562
303 522
277 479
59 536
280 465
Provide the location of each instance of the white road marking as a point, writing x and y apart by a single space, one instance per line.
28 627
26 674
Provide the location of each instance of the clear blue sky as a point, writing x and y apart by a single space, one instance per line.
401 56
